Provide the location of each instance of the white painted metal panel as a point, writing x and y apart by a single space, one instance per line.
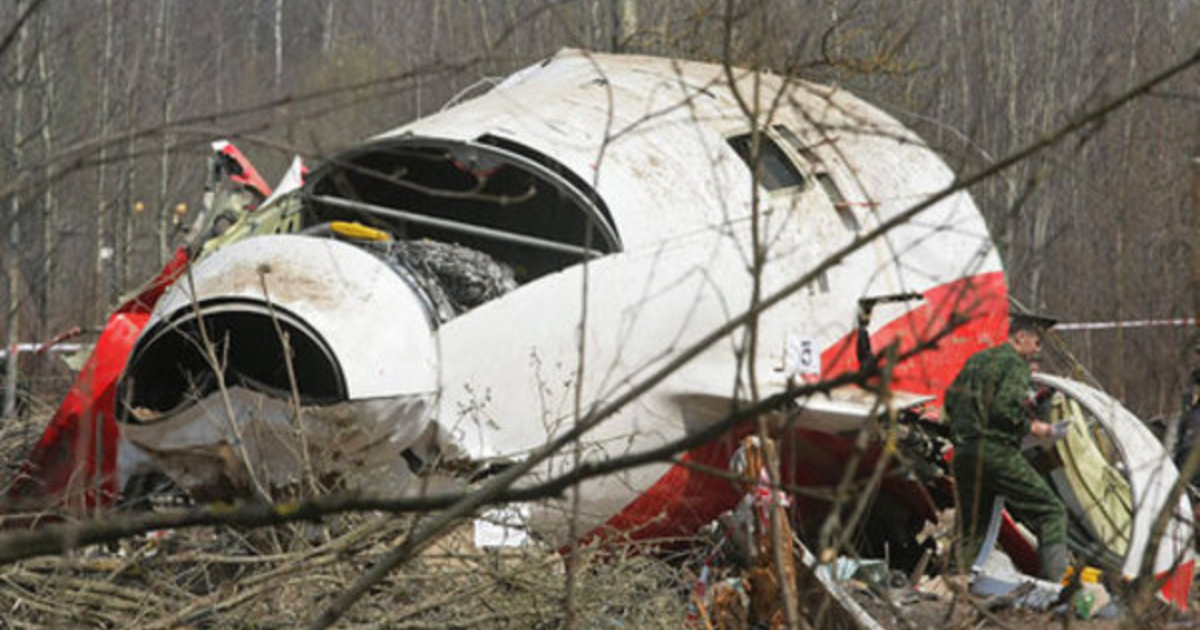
1151 474
371 319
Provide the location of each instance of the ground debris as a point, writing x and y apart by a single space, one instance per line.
286 576
281 578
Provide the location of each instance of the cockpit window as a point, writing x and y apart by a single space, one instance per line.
491 195
778 172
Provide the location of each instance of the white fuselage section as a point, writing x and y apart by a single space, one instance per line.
700 243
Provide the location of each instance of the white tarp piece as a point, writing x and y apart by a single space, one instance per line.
994 575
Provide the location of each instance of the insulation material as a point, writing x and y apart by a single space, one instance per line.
456 278
1103 497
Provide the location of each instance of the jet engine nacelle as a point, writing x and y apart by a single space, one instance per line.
281 357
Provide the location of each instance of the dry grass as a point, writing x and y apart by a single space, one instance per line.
284 577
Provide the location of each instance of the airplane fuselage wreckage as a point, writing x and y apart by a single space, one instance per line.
443 299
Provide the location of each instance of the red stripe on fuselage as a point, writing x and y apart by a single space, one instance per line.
685 499
979 303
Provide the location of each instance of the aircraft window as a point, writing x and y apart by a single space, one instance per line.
845 213
794 141
777 172
839 202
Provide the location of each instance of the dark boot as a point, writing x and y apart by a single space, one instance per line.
1054 560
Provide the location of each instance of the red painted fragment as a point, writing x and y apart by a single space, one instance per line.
249 176
74 464
1177 584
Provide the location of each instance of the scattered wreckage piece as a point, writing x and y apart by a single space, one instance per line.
994 576
1135 456
77 462
752 596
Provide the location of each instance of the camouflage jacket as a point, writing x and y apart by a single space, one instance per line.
986 399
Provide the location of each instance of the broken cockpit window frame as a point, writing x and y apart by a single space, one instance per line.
492 195
789 165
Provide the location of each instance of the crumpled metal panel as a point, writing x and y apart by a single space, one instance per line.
1151 474
235 443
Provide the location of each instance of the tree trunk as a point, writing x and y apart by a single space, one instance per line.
219 61
129 198
327 32
1126 167
1042 212
485 27
278 37
45 287
124 215
105 239
625 23
164 56
12 315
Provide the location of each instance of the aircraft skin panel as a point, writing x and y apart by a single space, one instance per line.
193 446
684 497
981 300
629 333
646 181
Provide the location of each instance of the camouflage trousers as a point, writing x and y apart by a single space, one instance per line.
984 470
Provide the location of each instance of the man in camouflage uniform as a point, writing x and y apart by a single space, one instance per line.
988 418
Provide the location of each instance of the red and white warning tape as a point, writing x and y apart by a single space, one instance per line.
38 348
1134 323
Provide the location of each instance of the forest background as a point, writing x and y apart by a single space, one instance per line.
107 109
